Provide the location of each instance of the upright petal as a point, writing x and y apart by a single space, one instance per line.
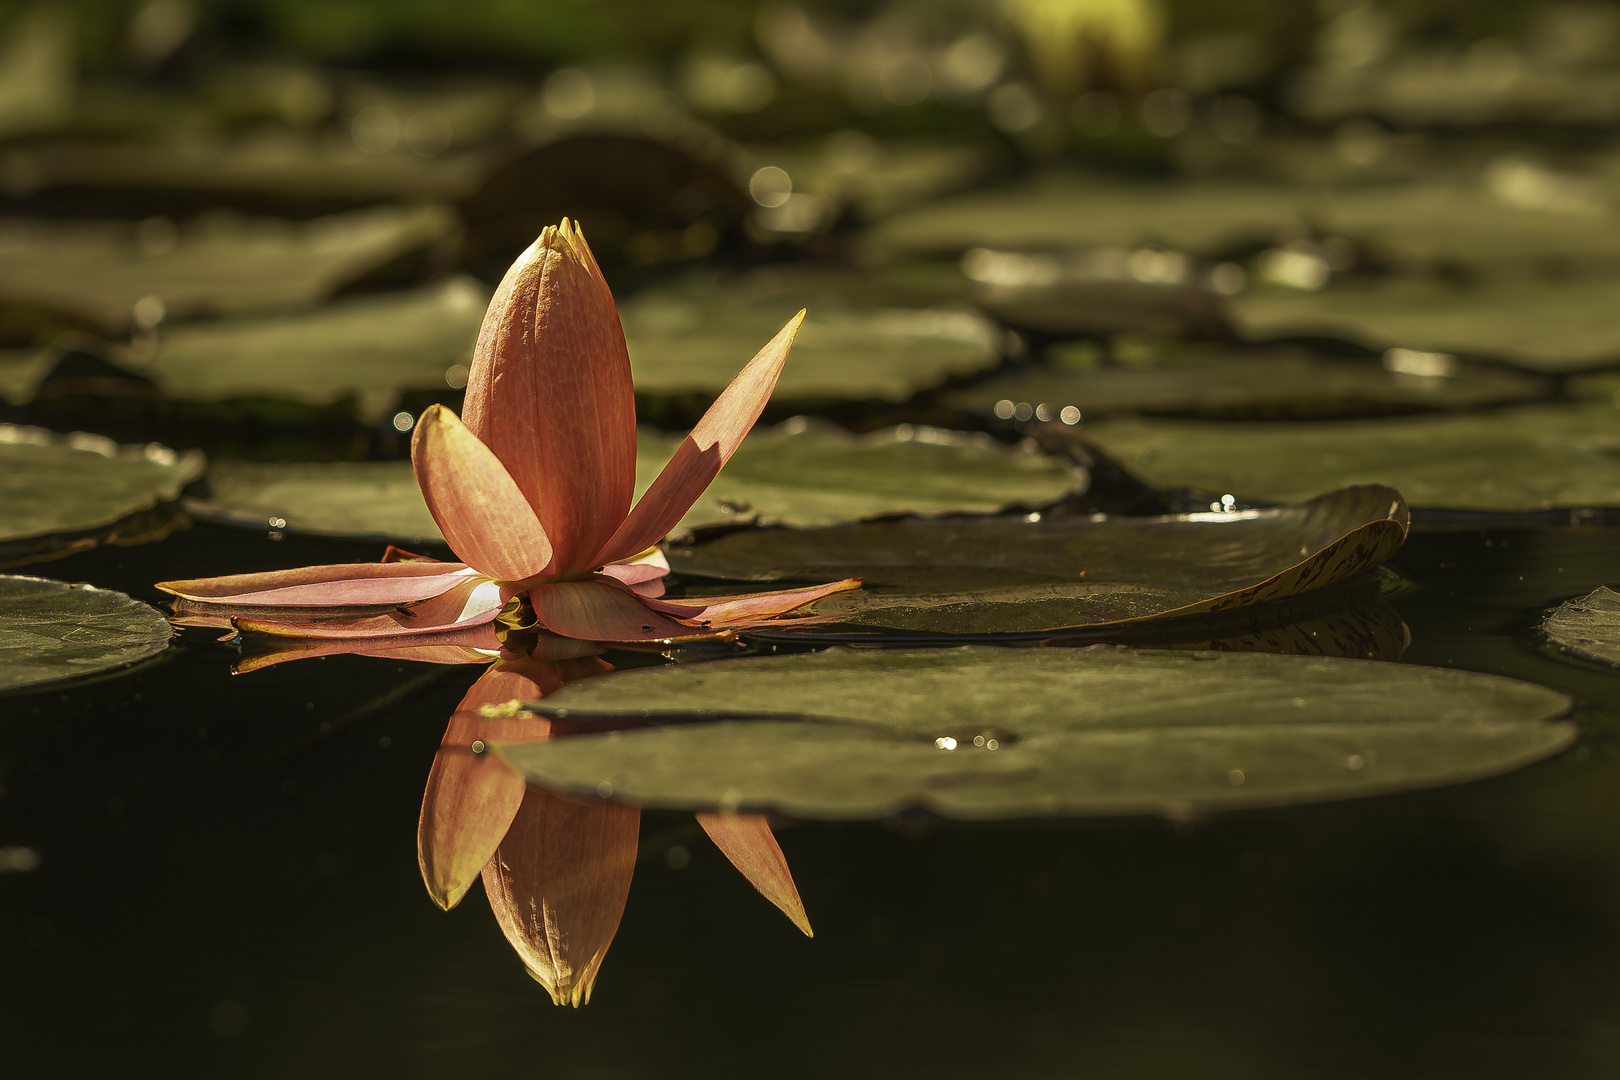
550 393
710 445
339 585
746 840
601 610
475 501
472 796
557 886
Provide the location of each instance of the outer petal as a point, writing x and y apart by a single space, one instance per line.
471 797
557 886
469 604
550 393
474 499
721 611
342 585
746 840
599 610
469 645
648 566
710 445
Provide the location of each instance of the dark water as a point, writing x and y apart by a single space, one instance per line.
228 887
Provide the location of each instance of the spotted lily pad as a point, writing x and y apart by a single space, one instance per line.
370 347
50 631
68 485
1039 575
95 273
796 473
1215 380
1545 325
1588 627
1528 458
692 337
984 733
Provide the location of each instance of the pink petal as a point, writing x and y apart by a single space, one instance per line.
557 886
652 590
471 797
550 393
710 445
746 840
478 506
750 607
648 566
469 645
342 585
600 610
469 604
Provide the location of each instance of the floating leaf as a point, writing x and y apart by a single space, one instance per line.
1012 575
1529 458
1588 627
694 336
1217 380
50 630
372 347
1546 325
95 273
55 485
983 733
797 472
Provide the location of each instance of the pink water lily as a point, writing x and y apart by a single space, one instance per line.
533 489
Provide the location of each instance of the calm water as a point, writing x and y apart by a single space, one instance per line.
229 888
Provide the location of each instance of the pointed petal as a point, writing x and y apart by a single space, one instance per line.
478 506
472 796
599 610
719 611
550 393
469 604
710 445
746 840
467 645
558 884
341 585
648 566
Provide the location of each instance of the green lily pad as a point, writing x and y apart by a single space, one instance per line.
21 372
51 630
95 273
693 336
797 473
846 734
1529 458
370 347
1037 575
1551 326
55 485
1222 381
1588 627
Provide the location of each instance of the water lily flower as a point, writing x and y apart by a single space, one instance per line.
556 870
533 489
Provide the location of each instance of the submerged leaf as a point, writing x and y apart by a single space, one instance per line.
51 630
1530 458
1017 575
983 733
1588 627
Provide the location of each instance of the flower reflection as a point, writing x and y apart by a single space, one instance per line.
556 870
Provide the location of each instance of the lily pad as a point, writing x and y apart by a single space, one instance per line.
797 473
1222 381
1034 576
51 630
1553 326
95 273
984 733
54 485
370 347
1529 458
1588 627
692 337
